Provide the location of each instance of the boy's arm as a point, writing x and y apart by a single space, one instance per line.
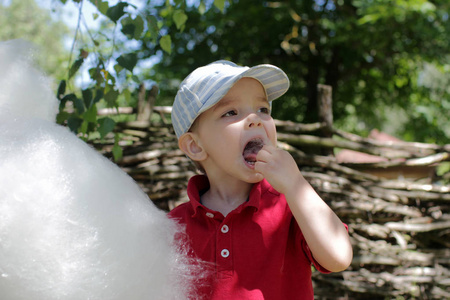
324 232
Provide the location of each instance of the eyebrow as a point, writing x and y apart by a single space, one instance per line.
223 102
226 101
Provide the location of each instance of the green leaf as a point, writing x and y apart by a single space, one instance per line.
132 28
139 27
95 75
180 18
153 29
166 43
92 126
369 19
69 97
128 27
117 150
74 124
166 12
103 7
61 89
128 61
111 98
61 117
443 168
98 95
83 127
220 4
87 97
118 68
136 79
116 12
76 102
106 126
75 66
79 105
91 114
202 8
178 2
126 93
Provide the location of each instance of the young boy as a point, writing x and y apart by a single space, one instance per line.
253 215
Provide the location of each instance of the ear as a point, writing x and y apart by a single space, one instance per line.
190 145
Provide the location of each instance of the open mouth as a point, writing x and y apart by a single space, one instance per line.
251 150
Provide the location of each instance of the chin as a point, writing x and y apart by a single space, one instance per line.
254 178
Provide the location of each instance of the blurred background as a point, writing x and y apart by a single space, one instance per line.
387 61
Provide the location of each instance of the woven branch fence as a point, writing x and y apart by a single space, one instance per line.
399 223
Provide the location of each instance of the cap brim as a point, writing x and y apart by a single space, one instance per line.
273 79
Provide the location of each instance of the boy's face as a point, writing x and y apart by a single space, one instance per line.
235 129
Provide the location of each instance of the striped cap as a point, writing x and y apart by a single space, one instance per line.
206 85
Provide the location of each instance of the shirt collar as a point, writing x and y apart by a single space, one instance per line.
196 185
199 183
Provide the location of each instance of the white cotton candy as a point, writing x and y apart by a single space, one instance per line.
72 224
25 91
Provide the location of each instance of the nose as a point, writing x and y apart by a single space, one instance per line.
253 120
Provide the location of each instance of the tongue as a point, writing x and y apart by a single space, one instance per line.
252 149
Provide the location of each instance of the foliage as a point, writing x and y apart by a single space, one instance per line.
373 53
26 20
112 56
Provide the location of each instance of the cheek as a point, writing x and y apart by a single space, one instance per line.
227 139
217 138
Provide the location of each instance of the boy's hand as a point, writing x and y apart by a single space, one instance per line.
279 168
323 231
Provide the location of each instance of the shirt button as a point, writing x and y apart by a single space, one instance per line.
224 229
210 215
225 253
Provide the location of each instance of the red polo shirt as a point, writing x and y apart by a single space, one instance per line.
257 250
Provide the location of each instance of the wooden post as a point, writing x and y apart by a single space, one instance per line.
146 104
325 105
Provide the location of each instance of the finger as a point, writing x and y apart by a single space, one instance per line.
270 143
269 148
263 155
263 167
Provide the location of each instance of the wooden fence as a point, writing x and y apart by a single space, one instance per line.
399 224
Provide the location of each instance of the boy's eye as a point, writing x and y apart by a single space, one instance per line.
229 113
264 110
